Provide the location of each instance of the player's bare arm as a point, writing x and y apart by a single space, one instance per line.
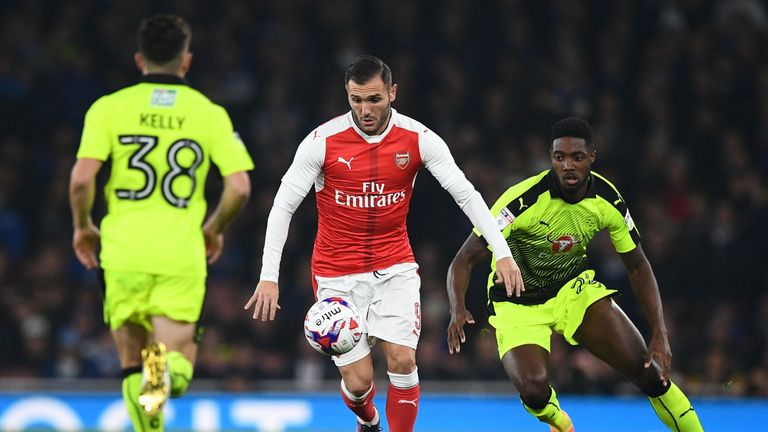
237 190
471 252
646 290
264 301
82 190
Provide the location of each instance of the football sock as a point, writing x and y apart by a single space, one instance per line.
551 413
362 406
402 401
676 411
139 418
181 371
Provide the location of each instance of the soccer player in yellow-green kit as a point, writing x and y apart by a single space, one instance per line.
548 220
160 136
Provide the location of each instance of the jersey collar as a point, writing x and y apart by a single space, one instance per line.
555 192
163 79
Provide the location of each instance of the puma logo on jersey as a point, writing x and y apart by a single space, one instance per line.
347 163
413 402
522 205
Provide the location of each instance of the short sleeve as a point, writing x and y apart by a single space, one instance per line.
624 234
95 142
228 152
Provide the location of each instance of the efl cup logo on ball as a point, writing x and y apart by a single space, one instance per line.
332 326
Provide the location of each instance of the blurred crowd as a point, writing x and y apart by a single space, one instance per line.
677 91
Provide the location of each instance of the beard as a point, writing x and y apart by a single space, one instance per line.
378 125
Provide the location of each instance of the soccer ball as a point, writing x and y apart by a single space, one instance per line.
332 326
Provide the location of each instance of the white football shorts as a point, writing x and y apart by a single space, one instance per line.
388 301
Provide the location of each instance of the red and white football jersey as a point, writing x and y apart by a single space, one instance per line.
364 186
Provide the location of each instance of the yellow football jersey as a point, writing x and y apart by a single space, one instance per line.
161 137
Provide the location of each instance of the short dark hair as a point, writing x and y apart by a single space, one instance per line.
162 38
365 67
573 127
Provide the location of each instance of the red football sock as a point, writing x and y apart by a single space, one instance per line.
363 408
402 407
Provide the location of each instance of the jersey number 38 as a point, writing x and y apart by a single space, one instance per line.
137 161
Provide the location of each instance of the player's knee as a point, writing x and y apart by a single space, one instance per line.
648 380
401 362
358 385
650 384
534 390
357 380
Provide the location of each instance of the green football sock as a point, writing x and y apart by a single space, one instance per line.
676 411
181 373
139 419
551 414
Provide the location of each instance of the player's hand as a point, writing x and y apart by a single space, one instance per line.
508 273
85 241
264 301
660 353
456 334
214 244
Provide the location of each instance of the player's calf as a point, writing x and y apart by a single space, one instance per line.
180 370
551 414
403 401
362 406
675 410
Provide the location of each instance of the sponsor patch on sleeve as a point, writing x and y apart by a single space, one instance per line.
504 219
628 220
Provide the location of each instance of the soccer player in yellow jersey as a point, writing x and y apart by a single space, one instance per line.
548 220
160 136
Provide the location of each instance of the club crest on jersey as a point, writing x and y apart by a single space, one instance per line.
163 98
402 159
563 243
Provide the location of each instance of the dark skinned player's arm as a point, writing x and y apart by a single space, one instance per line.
647 292
471 252
645 288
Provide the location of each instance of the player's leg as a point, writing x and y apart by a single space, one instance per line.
174 305
394 319
523 338
403 393
526 366
180 351
356 368
125 297
608 333
358 388
130 339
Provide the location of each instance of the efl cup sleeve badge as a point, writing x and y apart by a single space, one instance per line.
504 219
628 220
402 159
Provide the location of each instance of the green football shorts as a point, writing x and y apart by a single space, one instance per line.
518 325
136 297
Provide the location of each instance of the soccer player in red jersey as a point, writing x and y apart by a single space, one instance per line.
363 165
